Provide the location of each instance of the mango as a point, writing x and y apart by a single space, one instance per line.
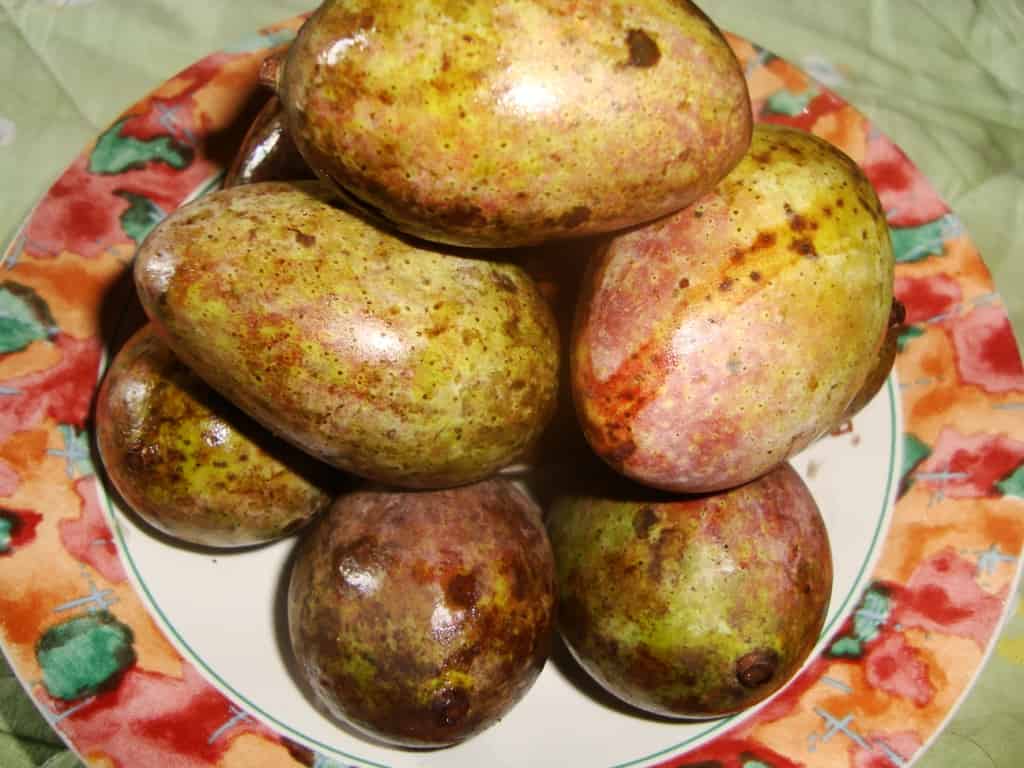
192 465
884 362
421 618
267 152
692 606
507 122
713 344
384 357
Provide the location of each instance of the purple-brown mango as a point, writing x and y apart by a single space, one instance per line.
498 123
191 464
267 152
385 357
421 618
714 344
693 607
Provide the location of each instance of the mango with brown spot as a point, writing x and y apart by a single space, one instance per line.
692 606
389 358
191 464
712 345
506 122
421 618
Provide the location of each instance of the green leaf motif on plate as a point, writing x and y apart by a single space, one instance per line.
115 153
910 244
871 615
24 317
907 335
868 620
77 453
1013 483
80 656
141 215
785 102
914 452
6 529
846 647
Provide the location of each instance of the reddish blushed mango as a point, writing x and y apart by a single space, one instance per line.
497 123
693 607
712 345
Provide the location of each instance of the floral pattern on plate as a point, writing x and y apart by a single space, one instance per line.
892 670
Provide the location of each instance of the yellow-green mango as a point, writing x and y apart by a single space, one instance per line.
692 606
505 122
713 344
387 358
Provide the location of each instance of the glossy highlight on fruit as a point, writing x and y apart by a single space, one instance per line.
506 122
384 357
267 152
421 618
194 466
693 606
717 342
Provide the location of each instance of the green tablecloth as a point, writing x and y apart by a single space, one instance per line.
944 78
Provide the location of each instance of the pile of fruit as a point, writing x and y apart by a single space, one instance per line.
514 305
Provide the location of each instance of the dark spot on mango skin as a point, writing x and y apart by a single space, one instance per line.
757 667
307 241
805 247
643 51
462 215
643 520
755 276
800 223
726 285
504 282
571 219
462 591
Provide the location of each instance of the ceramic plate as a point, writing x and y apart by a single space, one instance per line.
145 654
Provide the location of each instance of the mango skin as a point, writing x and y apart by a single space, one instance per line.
391 360
192 465
693 607
267 152
714 344
884 363
493 124
421 618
